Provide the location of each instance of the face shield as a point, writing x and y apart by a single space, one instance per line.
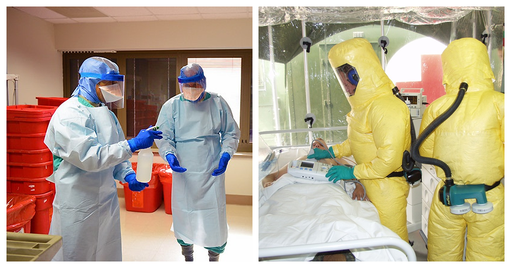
113 93
192 82
348 78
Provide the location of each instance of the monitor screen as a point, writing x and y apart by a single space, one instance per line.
307 165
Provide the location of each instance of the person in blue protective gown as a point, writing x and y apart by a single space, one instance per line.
90 152
199 138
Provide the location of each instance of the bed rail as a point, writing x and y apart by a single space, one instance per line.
333 246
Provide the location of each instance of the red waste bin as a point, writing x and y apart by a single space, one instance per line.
41 222
147 200
20 211
165 174
50 101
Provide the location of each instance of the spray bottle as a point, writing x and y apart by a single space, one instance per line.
145 163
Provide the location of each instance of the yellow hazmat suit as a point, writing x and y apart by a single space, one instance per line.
471 143
378 133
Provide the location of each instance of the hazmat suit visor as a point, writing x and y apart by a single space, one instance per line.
348 79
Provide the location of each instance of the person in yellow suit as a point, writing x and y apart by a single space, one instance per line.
471 143
378 132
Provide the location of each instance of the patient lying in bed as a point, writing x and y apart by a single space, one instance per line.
352 187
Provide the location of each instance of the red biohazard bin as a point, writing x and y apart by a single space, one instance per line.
30 170
29 156
41 221
147 200
29 186
20 211
33 141
165 174
23 119
50 101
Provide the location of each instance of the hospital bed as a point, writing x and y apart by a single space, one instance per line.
299 218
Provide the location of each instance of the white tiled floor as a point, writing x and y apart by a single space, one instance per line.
147 236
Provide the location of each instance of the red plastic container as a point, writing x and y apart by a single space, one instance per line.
20 211
29 170
165 175
29 186
22 119
147 200
26 141
41 221
30 156
51 101
15 112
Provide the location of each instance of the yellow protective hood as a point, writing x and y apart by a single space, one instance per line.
466 60
359 53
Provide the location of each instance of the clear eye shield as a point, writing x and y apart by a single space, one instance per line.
192 91
348 78
112 92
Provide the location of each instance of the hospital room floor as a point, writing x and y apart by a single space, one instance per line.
147 236
419 245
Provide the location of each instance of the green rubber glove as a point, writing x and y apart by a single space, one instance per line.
337 173
320 154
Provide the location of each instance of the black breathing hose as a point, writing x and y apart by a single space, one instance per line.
429 129
408 162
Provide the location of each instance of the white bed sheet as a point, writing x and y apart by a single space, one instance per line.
297 211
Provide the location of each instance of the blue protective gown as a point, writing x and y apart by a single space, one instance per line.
198 134
94 152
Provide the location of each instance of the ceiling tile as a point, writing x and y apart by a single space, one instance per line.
125 14
173 10
124 11
94 20
179 17
41 12
78 12
135 18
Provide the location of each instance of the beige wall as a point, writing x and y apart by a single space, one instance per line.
34 51
31 54
159 35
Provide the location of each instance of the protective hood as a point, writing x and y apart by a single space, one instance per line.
92 71
87 88
359 53
466 60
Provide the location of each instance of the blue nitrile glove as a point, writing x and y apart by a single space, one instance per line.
337 173
144 139
320 153
222 165
135 185
174 164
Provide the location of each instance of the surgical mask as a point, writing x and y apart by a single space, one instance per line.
112 93
192 93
